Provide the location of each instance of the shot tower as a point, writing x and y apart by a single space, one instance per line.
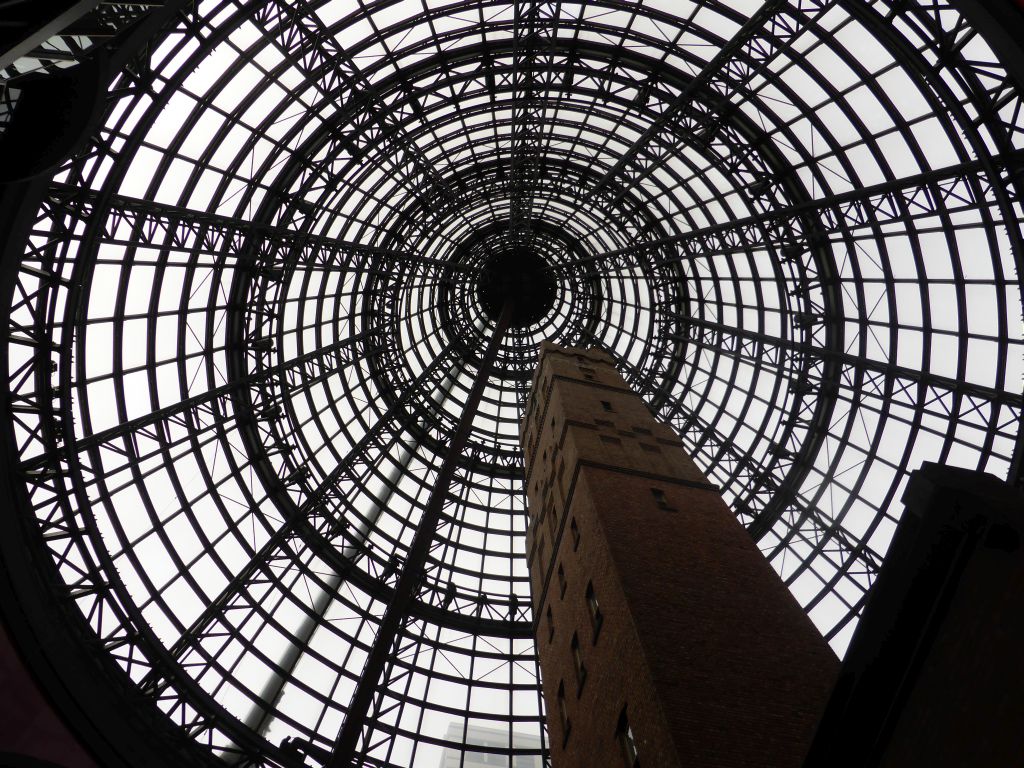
665 637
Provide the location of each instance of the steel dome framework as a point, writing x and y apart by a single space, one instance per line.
249 317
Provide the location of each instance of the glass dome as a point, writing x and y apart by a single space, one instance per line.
250 313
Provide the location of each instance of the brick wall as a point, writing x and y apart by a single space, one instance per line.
700 644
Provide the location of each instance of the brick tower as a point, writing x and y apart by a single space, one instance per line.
665 637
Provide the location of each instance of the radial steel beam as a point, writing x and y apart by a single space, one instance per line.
303 38
39 23
897 200
683 108
292 526
125 429
527 120
887 368
159 224
344 754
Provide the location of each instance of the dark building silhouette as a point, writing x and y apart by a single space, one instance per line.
925 681
273 277
29 726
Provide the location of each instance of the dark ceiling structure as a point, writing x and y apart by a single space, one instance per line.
249 318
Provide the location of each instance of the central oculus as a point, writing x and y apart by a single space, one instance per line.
521 276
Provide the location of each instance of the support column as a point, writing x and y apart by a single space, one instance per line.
259 717
665 637
345 749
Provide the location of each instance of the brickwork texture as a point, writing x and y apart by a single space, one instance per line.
658 620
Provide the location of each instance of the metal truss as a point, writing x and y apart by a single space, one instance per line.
44 41
264 433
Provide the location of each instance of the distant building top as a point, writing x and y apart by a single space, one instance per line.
489 739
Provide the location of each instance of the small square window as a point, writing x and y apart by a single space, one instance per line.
661 500
607 406
575 530
561 580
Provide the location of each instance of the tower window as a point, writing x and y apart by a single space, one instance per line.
607 406
594 608
627 741
575 530
661 500
563 714
577 662
561 580
551 625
